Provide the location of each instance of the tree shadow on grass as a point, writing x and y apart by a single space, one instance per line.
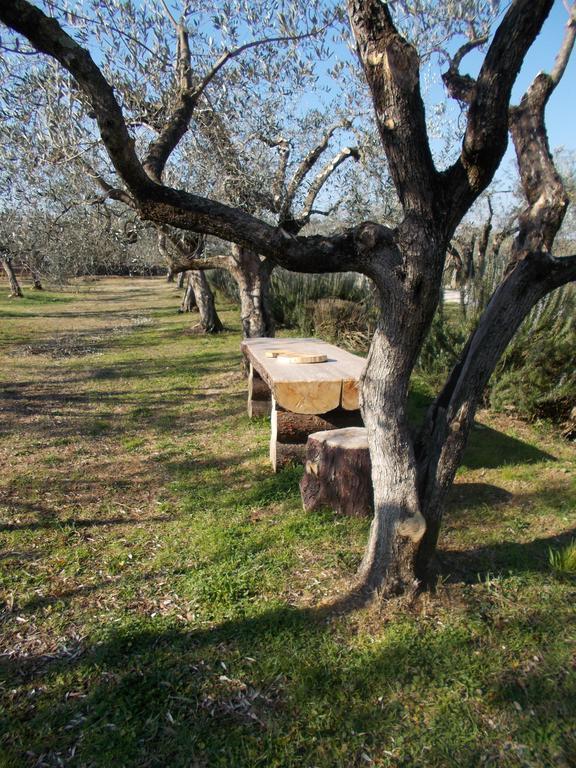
278 687
488 449
53 522
510 557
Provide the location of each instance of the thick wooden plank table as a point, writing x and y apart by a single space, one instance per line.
301 398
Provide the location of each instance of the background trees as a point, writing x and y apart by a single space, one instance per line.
406 262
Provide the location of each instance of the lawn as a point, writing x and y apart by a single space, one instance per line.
166 601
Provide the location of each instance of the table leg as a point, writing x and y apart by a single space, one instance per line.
259 395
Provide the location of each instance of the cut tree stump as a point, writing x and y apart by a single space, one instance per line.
259 395
290 431
338 472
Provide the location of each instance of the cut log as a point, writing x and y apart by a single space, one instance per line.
338 472
309 396
295 427
259 395
289 431
282 454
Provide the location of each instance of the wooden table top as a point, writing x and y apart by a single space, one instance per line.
311 388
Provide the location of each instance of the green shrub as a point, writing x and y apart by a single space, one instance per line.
442 346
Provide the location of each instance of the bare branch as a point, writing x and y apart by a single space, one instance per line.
111 192
541 182
391 66
567 47
169 13
486 135
189 254
177 123
461 87
304 217
305 166
279 182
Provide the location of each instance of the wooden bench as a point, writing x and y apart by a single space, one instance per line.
301 398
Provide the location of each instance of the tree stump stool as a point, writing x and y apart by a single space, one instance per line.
338 472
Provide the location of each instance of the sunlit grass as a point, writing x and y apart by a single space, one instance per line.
166 599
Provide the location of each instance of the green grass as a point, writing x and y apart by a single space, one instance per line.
167 601
563 561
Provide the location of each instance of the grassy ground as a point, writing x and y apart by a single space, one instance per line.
166 602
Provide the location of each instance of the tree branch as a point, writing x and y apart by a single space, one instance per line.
110 192
47 36
486 135
303 218
189 254
177 123
189 95
391 66
541 182
305 166
461 87
229 55
283 146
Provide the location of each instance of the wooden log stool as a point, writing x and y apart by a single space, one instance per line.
338 472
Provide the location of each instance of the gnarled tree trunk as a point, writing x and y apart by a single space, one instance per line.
188 302
36 282
252 273
15 290
209 320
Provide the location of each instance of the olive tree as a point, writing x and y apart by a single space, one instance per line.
411 473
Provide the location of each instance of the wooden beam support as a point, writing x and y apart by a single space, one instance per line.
259 395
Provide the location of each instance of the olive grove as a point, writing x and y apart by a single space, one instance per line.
411 473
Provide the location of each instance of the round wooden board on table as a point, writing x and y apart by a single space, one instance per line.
297 358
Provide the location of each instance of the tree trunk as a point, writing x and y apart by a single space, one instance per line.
169 275
209 320
253 277
188 300
398 524
181 278
36 282
15 290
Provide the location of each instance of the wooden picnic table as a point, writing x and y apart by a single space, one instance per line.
301 398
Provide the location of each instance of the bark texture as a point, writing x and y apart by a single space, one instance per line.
209 319
188 303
